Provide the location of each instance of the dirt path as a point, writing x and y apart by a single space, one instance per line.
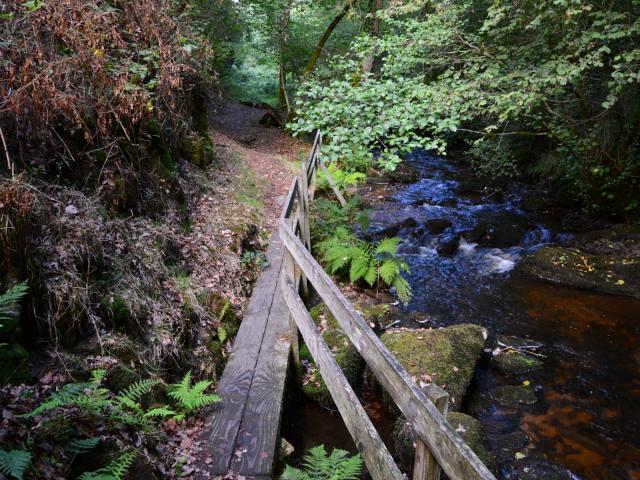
270 152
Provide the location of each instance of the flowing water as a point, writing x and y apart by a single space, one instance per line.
463 244
587 418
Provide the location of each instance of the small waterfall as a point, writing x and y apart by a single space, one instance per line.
465 247
499 261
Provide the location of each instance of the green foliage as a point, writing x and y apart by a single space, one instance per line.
189 398
83 445
116 470
555 76
14 462
9 301
318 465
373 263
327 216
342 178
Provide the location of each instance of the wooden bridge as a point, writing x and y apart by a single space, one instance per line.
244 434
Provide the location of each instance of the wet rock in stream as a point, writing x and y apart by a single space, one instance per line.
437 225
448 244
511 395
535 468
467 427
516 363
614 273
445 356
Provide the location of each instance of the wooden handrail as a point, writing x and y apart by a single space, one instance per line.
442 442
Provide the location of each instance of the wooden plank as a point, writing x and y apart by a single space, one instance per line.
333 185
425 465
234 386
454 456
260 426
379 461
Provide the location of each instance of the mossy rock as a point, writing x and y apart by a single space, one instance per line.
615 273
445 356
516 363
514 395
198 149
344 352
14 366
471 432
468 427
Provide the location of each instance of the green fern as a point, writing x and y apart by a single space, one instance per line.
14 462
343 251
68 395
342 178
132 394
83 445
116 470
9 304
190 398
317 465
160 412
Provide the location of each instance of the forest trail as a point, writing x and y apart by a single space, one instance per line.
270 152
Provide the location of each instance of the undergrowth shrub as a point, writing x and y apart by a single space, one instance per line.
377 263
342 178
319 465
98 81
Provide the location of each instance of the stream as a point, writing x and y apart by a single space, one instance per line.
586 420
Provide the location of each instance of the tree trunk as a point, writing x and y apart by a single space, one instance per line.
283 35
373 27
323 40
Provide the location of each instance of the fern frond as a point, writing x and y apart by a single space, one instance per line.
403 289
67 395
98 375
137 390
83 445
389 270
116 470
14 462
191 398
388 246
160 412
9 301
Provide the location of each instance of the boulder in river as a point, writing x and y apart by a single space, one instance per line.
468 427
404 173
536 468
616 274
514 395
437 225
445 356
393 229
448 244
345 354
516 363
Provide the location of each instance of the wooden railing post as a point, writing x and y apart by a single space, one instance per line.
426 467
289 267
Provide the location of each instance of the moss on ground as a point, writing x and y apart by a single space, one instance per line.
445 356
345 354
